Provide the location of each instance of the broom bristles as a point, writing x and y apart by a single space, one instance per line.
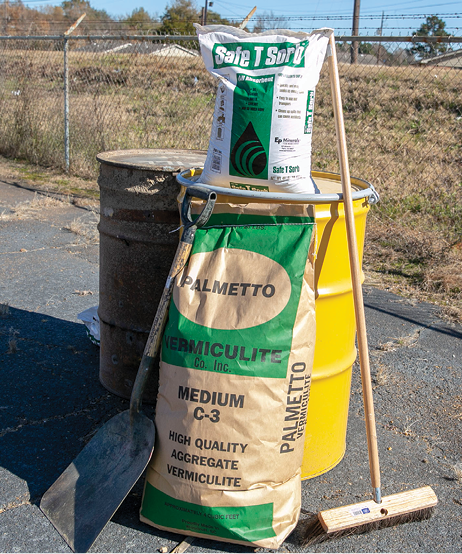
316 530
314 533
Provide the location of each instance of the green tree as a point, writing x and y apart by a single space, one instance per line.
95 21
366 48
179 17
214 18
73 9
433 27
140 21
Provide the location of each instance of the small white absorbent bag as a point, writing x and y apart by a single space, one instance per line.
263 119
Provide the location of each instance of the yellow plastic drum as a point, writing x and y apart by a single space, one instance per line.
335 350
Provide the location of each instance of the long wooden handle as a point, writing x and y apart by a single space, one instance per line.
183 250
154 339
355 273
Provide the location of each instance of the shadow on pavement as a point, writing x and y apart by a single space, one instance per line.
51 399
436 325
51 405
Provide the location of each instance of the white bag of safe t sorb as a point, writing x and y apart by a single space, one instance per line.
263 119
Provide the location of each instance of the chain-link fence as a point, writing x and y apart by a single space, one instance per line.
64 99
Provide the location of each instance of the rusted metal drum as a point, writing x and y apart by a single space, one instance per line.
139 214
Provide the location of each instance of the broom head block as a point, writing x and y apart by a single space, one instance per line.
345 517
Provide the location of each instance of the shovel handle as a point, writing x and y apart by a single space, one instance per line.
152 346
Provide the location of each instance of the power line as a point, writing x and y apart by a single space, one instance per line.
290 18
370 17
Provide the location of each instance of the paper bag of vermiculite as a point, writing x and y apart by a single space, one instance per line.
263 118
234 382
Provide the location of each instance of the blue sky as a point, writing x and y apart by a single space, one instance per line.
399 17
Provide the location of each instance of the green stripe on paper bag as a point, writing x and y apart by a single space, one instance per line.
240 523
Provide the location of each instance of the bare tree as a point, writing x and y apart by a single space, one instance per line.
267 21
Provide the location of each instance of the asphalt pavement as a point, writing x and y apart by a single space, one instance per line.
51 400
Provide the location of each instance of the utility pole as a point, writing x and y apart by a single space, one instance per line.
204 13
380 34
6 6
354 33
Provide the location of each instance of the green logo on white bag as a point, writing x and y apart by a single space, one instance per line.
262 55
248 156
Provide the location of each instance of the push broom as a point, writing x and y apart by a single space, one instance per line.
390 510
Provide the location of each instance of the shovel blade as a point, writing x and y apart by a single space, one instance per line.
87 494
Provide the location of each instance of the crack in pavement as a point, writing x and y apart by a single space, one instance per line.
28 423
24 501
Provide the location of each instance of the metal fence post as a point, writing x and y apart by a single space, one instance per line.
66 105
66 91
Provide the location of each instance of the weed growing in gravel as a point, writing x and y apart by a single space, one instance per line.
12 341
86 229
32 209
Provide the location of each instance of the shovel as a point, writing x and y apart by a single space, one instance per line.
85 497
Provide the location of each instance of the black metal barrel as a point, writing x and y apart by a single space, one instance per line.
139 216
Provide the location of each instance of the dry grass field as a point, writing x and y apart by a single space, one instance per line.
404 132
403 125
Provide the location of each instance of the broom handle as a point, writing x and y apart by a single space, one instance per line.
355 275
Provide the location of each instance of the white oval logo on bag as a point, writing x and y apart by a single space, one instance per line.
231 288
